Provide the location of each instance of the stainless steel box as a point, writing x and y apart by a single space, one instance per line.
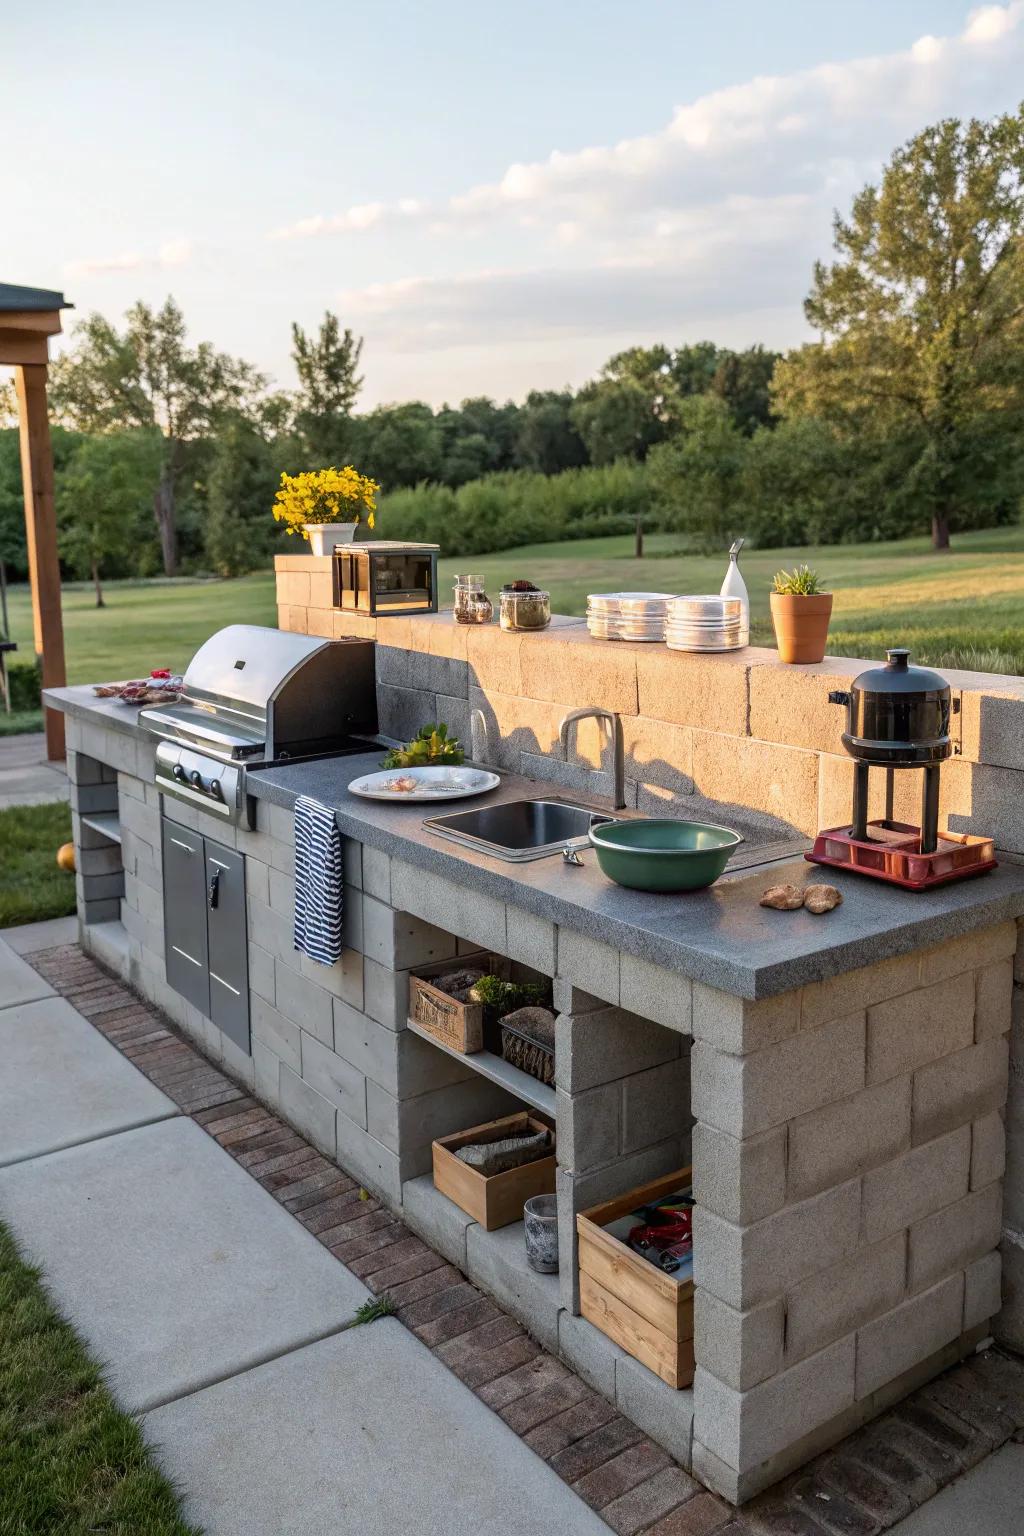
386 577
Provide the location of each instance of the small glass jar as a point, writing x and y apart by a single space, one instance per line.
525 610
472 605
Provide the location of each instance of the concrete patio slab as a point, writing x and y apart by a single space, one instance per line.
46 935
364 1434
62 1084
176 1267
26 777
19 983
987 1501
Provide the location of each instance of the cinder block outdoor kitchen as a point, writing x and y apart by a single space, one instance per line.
836 1082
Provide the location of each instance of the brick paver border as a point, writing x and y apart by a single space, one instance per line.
860 1488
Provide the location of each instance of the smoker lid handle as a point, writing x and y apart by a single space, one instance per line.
839 696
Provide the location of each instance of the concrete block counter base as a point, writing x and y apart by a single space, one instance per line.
291 1442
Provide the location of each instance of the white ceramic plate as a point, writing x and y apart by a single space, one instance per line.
431 784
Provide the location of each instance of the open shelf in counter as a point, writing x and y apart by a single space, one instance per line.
106 823
531 1091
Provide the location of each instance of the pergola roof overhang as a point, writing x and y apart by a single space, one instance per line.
28 318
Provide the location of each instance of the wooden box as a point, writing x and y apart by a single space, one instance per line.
459 1026
496 1201
647 1312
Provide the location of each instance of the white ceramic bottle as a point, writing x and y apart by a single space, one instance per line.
735 586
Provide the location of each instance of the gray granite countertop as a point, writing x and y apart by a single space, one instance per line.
720 936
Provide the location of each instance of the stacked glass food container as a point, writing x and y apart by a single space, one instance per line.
704 623
628 615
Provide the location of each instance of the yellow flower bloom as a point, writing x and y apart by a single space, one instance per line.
325 496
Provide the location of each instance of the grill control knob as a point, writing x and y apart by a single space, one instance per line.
196 779
215 789
179 773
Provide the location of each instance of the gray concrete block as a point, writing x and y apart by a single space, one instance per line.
261 973
994 989
397 1060
173 1264
99 861
588 1126
308 1111
589 1352
342 1084
364 1158
108 910
274 1418
266 1073
496 1261
278 1034
399 939
663 1413
829 1145
62 1083
738 1025
656 1104
531 940
829 1305
982 1290
860 988
744 1429
352 860
238 1064
740 1180
740 1348
908 1031
912 1186
656 993
305 1003
961 1087
282 895
344 979
747 1094
401 711
896 1342
386 994
408 1126
570 999
954 1237
436 1219
606 1044
376 867
449 907
744 1266
589 963
988 1150
969 951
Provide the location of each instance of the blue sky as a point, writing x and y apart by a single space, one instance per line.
498 196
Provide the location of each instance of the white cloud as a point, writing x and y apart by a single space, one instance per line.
171 253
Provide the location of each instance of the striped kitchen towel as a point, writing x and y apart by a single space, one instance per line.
319 879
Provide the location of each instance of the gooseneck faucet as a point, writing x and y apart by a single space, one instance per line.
592 712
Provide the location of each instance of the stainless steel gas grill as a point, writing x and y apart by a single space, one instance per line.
252 697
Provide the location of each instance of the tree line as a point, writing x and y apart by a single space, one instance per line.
905 414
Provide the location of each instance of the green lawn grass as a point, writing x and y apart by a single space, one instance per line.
70 1460
964 608
32 888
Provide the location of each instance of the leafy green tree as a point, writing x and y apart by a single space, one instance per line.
243 478
329 383
147 377
921 318
477 438
103 493
546 439
743 380
697 477
400 444
693 367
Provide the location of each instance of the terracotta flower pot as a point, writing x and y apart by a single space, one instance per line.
801 625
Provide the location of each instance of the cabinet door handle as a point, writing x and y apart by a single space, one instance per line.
214 888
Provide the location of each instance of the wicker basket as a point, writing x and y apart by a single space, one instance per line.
533 1056
459 1026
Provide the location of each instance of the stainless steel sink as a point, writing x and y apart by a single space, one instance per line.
521 829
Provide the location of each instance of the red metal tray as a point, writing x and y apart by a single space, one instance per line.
892 852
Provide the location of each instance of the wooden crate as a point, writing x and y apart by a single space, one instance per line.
645 1311
496 1201
459 1026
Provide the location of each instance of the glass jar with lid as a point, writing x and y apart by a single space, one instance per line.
524 606
472 605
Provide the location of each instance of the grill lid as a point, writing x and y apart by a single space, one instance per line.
247 664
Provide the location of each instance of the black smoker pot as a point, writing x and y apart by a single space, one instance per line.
897 717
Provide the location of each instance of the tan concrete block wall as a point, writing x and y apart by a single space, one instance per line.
740 728
855 1232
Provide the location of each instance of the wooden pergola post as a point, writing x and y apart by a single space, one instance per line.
28 317
41 537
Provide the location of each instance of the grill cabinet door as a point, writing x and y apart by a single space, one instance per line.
185 949
228 948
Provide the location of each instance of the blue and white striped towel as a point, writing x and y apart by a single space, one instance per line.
318 882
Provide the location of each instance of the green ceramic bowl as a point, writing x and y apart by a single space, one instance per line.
663 855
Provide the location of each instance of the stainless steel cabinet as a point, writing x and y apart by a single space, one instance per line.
205 940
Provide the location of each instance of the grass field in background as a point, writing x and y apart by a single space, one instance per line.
32 888
964 608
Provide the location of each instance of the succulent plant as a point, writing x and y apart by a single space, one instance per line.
800 582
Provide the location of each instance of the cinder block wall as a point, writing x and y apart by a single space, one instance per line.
740 729
1009 1325
848 1157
